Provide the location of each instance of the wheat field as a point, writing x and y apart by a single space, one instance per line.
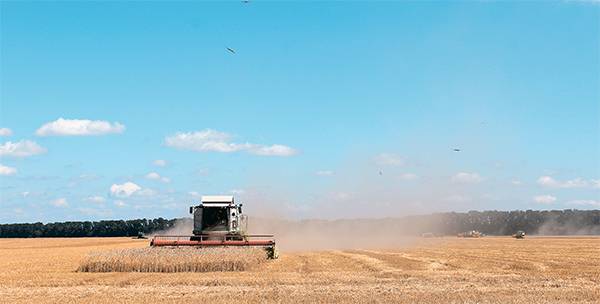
165 259
444 270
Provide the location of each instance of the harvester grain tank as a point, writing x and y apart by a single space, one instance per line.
218 221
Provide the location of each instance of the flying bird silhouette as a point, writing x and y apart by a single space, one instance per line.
231 50
245 1
456 150
380 172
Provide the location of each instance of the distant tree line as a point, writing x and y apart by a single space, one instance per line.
555 222
85 229
546 222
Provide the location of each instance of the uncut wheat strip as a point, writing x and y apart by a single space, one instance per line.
173 260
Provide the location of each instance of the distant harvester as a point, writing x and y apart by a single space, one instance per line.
519 235
471 234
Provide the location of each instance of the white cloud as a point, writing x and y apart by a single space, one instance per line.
153 175
596 183
23 148
124 190
388 159
409 176
60 202
79 127
5 170
466 178
548 181
146 192
324 173
195 194
214 141
544 199
206 140
95 199
575 183
5 132
87 177
516 182
594 203
273 150
156 176
237 191
160 162
25 194
119 203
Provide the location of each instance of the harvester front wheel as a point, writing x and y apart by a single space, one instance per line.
272 252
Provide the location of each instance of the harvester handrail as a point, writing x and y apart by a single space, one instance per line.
171 235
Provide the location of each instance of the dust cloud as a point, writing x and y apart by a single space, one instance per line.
553 227
355 221
302 235
183 226
335 234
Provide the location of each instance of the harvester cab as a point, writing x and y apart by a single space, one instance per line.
218 221
219 215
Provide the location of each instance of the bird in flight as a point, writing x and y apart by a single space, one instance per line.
245 1
380 172
231 50
456 150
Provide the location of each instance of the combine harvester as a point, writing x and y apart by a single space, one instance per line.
519 235
471 234
218 222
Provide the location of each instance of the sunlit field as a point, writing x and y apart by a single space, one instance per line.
487 270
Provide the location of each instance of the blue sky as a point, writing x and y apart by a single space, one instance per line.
326 109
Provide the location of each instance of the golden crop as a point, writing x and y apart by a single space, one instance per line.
183 259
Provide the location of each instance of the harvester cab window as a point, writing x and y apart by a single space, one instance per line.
215 219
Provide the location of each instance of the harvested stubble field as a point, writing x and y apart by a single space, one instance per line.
448 270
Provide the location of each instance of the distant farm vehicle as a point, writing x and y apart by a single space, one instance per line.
140 236
519 235
471 234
